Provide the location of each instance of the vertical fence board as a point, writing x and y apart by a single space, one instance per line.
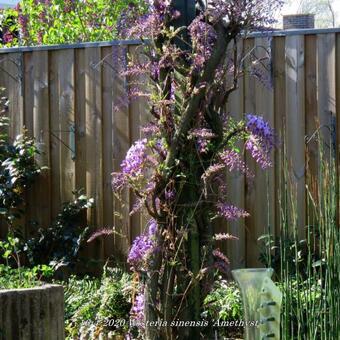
41 128
249 106
55 145
295 122
120 146
66 114
279 113
134 123
311 118
28 91
4 94
28 123
80 161
3 73
94 146
14 88
107 81
326 84
262 208
236 181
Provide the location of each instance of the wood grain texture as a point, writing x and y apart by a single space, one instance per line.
86 86
55 145
262 207
80 121
235 249
295 125
326 84
311 120
67 119
28 81
13 66
11 80
94 142
250 106
279 83
41 128
121 143
108 132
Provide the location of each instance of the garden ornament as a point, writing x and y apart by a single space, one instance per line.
261 303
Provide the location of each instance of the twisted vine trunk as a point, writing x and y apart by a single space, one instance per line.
175 292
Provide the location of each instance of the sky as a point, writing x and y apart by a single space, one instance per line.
293 7
8 2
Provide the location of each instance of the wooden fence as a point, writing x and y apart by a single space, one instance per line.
67 98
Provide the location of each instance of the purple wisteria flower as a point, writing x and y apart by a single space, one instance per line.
230 212
233 161
152 228
142 247
259 127
150 129
261 140
224 236
258 12
119 180
137 310
133 163
147 25
213 170
221 261
8 37
203 136
170 194
203 38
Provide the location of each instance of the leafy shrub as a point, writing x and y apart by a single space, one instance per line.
10 251
302 253
22 277
18 169
90 303
58 245
19 277
35 22
224 303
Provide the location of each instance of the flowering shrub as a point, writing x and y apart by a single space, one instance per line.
36 22
177 170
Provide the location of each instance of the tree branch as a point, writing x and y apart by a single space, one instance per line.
224 37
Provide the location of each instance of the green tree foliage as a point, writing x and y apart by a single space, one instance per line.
48 22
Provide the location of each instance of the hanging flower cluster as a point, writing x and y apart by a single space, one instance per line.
203 38
142 247
230 212
261 140
135 159
137 310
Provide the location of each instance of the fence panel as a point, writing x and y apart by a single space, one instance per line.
73 100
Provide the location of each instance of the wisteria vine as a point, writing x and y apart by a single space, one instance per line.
177 170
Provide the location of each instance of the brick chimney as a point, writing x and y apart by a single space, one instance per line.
298 21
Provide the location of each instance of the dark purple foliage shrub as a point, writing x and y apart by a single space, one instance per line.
177 170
